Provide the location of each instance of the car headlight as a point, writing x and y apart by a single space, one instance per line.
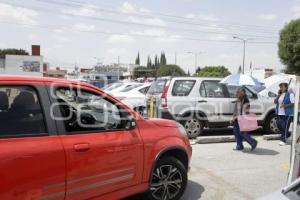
181 129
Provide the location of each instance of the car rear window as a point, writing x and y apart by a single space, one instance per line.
131 87
182 87
157 86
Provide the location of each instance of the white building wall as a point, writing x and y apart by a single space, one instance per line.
258 74
23 65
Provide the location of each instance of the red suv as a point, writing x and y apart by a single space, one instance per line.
69 140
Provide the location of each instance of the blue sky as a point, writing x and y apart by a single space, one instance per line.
83 32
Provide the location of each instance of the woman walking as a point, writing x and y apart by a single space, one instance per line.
284 109
242 107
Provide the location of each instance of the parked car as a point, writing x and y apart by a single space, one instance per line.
121 86
198 103
156 95
290 192
134 97
68 140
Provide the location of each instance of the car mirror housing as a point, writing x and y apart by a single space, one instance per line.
130 123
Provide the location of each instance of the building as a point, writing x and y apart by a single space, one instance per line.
55 73
23 64
260 74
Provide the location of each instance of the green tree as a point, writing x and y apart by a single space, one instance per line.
4 52
289 46
240 69
170 70
214 71
156 61
137 60
198 70
142 71
188 74
149 62
163 59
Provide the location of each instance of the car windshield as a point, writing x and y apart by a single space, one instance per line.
127 89
114 86
157 86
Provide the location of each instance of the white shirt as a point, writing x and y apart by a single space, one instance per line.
280 100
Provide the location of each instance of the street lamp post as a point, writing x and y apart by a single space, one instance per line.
196 58
244 49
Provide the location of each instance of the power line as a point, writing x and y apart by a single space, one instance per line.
143 24
186 20
78 3
53 27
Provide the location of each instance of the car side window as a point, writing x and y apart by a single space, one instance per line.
20 112
144 90
232 89
211 89
84 111
182 87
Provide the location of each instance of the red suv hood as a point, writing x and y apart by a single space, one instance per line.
164 122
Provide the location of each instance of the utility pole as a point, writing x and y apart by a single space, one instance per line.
175 58
196 58
244 49
118 68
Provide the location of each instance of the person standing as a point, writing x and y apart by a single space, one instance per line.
284 109
242 107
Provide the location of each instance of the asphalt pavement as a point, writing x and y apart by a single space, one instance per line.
219 173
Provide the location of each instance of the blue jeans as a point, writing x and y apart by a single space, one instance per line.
283 124
240 136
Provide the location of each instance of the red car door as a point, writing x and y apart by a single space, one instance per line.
102 155
32 159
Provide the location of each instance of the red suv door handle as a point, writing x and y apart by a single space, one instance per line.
81 147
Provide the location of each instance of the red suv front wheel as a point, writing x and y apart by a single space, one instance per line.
169 180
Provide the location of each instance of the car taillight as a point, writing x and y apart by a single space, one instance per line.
164 102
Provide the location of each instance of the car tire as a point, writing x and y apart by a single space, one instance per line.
168 180
270 125
193 127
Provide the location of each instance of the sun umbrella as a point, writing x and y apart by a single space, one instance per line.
276 79
274 87
240 79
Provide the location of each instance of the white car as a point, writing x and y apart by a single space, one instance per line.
199 102
134 96
118 87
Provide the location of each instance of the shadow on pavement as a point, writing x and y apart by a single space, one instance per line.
262 152
193 191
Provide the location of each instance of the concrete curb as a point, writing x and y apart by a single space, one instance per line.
214 139
229 138
271 137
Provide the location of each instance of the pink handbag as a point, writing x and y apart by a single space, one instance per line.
248 122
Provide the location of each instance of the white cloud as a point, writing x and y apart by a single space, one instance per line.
132 8
84 27
159 35
296 9
128 7
148 21
266 17
151 32
218 37
120 39
206 17
17 14
87 10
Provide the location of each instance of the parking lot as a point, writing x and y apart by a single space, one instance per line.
219 173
